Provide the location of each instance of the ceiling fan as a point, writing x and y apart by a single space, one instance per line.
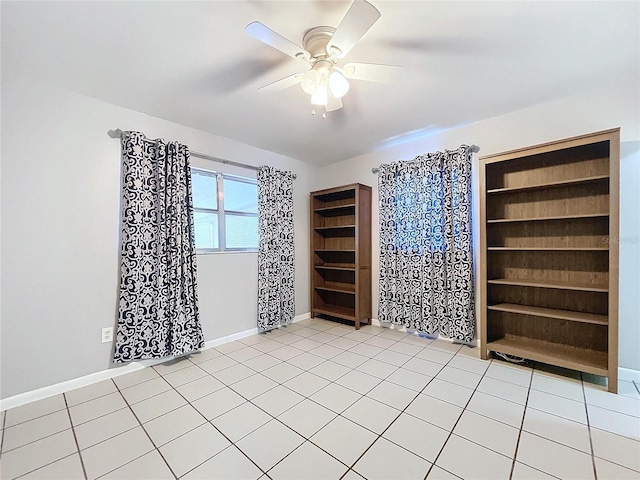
322 48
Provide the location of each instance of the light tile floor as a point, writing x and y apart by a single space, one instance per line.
319 400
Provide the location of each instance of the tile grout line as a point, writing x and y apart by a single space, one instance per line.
524 414
586 411
75 437
4 421
146 433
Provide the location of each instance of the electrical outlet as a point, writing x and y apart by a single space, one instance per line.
107 335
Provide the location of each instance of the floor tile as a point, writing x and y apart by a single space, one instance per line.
615 448
95 408
95 390
558 429
393 395
33 410
344 343
479 367
268 346
134 378
380 342
358 336
199 388
336 397
229 464
233 374
285 353
563 387
254 339
306 384
424 367
217 364
173 365
435 411
358 381
218 403
525 472
105 427
175 423
611 471
417 436
159 405
385 460
241 421
554 458
69 468
205 355
344 439
459 377
409 379
244 354
371 414
307 332
448 392
405 348
397 359
282 372
509 373
339 330
307 417
261 448
184 375
144 390
277 400
349 359
308 462
326 351
262 362
330 371
494 435
497 408
469 460
366 350
150 466
306 361
437 473
611 401
193 448
392 333
377 368
37 454
508 391
115 452
560 406
35 429
435 356
230 347
323 337
614 422
253 386
445 346
289 338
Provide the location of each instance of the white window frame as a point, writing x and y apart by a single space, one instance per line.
220 211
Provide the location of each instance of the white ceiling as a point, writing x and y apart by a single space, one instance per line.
191 63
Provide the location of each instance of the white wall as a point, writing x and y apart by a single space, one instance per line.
60 233
615 106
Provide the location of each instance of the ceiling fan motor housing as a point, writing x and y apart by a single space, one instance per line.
315 41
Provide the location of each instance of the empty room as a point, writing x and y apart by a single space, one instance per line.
320 240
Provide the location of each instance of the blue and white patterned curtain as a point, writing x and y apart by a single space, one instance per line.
276 268
158 312
426 251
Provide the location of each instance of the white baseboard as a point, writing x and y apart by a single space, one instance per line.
628 375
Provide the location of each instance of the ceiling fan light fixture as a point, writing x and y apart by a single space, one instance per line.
320 96
309 83
338 84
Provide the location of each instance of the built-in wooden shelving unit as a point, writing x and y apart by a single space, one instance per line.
549 253
341 253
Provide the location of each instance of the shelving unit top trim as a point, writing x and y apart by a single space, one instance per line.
329 191
601 136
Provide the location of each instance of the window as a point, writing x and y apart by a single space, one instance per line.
225 210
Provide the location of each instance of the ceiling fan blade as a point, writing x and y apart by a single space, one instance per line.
281 84
260 32
333 103
358 20
372 72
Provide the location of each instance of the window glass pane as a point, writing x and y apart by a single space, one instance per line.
240 196
205 190
242 231
206 228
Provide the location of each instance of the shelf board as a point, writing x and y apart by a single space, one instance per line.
585 287
543 219
332 250
335 311
337 210
582 359
336 267
550 313
548 249
542 186
336 227
350 291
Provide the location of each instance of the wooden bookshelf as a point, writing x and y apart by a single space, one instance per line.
341 253
548 270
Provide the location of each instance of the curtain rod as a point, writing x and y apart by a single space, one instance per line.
117 133
473 148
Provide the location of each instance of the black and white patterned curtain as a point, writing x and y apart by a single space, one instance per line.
276 288
426 251
158 312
